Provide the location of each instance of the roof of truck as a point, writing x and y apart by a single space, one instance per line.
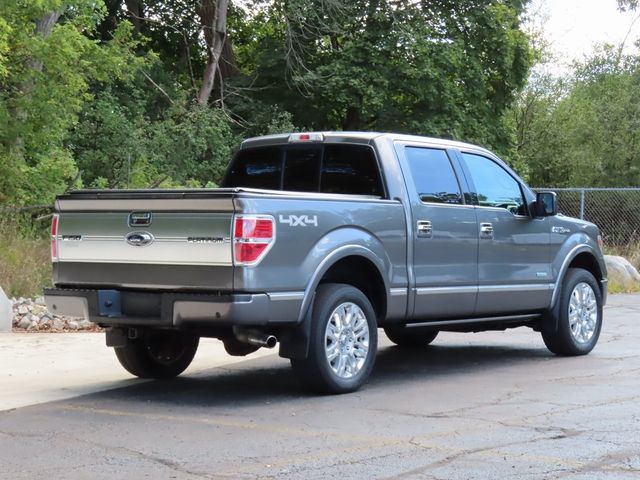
357 137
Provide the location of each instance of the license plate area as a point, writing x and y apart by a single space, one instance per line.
109 303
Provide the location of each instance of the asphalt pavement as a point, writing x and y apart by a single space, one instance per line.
488 405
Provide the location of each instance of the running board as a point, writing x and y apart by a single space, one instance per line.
468 321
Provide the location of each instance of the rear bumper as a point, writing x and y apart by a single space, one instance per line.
171 309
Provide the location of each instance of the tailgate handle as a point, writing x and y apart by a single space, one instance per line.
140 219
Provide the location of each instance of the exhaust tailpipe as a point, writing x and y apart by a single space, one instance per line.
255 338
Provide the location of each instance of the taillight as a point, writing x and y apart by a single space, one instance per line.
253 236
600 242
54 237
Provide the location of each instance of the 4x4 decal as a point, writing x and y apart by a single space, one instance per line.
299 220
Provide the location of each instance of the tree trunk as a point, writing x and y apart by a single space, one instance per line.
136 14
110 21
44 27
213 18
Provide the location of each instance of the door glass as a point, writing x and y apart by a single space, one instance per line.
494 186
433 175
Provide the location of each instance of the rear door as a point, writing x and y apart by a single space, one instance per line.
513 258
445 236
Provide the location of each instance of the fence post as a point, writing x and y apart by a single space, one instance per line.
582 204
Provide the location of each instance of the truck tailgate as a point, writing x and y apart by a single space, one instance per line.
145 239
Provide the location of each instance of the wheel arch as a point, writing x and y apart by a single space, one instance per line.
352 265
581 256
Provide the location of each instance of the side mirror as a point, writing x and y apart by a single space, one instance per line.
545 204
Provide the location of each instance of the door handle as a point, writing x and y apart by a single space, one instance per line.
486 230
424 228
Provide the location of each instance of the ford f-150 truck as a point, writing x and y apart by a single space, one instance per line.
317 240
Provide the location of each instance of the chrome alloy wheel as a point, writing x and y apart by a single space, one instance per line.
347 340
583 313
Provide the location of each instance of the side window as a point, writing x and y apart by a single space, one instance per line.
350 169
433 175
494 186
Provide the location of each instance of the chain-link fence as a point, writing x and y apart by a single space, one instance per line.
615 210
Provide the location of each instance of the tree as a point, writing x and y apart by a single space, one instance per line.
584 132
48 63
444 68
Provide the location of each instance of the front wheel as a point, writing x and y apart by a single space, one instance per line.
578 315
343 341
158 354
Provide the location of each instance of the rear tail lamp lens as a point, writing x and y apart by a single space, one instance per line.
253 236
54 237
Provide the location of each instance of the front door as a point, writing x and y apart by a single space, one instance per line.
514 273
445 236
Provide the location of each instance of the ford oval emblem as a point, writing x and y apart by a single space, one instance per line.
139 239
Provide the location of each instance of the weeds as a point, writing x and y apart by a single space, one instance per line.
25 264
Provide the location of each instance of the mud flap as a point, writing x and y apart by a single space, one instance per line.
549 321
294 341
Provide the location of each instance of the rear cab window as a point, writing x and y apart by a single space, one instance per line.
325 168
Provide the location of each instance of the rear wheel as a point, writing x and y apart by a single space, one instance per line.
404 336
158 354
343 341
579 315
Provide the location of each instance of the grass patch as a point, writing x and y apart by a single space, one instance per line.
630 251
616 287
25 263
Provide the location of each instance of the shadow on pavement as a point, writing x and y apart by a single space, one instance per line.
271 380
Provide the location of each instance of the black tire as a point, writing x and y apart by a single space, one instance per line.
158 354
410 337
316 371
562 341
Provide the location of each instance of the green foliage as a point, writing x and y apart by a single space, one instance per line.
94 95
117 145
439 68
45 78
584 132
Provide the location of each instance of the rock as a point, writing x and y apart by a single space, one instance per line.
22 309
86 324
621 272
57 324
73 325
6 313
34 318
24 323
39 301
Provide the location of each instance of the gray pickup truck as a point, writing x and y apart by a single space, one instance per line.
315 241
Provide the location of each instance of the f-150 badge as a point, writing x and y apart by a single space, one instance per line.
299 221
560 230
